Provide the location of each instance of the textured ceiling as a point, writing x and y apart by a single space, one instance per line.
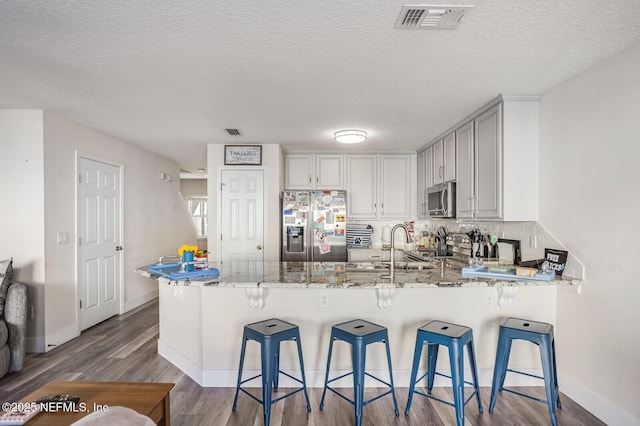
171 76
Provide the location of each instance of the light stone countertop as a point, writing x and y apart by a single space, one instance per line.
336 275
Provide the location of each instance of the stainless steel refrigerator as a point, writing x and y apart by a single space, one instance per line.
314 225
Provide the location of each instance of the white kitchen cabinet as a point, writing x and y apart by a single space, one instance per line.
422 184
449 157
488 162
368 255
465 167
362 186
379 186
314 171
438 162
441 160
395 185
429 173
497 162
298 169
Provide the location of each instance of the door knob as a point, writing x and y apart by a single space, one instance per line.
259 247
118 248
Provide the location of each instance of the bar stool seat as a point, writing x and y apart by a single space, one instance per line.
541 334
270 333
455 338
359 333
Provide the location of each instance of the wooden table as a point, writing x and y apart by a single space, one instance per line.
150 399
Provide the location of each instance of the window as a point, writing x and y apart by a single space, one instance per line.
198 210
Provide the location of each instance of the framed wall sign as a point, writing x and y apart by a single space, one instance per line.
243 155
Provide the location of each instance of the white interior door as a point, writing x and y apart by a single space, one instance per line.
99 259
242 216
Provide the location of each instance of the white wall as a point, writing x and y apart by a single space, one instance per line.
38 178
22 187
193 187
589 199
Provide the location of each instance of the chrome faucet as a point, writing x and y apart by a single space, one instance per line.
392 261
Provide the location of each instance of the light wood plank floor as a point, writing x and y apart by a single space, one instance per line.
123 348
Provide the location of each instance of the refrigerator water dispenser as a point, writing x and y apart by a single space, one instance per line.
295 239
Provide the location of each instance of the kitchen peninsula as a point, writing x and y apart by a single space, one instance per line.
201 321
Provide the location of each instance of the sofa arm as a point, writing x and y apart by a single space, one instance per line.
15 315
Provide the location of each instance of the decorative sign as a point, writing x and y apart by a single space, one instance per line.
243 155
555 260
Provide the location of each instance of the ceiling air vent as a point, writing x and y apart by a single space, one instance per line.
233 132
430 17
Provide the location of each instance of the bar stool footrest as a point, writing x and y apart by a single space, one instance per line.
449 377
451 404
364 403
525 374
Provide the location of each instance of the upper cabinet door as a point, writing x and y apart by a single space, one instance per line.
422 184
438 162
395 186
299 173
362 186
329 171
430 170
449 157
465 183
488 164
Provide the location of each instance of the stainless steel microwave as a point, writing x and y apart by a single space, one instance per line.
441 200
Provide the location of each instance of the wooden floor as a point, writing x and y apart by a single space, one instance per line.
124 348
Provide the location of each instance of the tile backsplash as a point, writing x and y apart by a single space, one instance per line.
534 238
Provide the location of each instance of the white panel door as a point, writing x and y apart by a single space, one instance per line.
242 216
99 256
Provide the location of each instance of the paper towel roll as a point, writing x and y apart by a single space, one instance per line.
386 234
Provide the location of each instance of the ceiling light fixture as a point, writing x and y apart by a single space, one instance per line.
350 136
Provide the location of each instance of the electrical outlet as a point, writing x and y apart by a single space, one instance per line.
533 241
63 238
324 301
488 300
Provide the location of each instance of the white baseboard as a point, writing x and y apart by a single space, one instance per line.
595 404
35 345
187 366
56 339
315 378
140 300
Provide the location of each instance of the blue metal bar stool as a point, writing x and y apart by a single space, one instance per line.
541 334
454 337
359 333
269 334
